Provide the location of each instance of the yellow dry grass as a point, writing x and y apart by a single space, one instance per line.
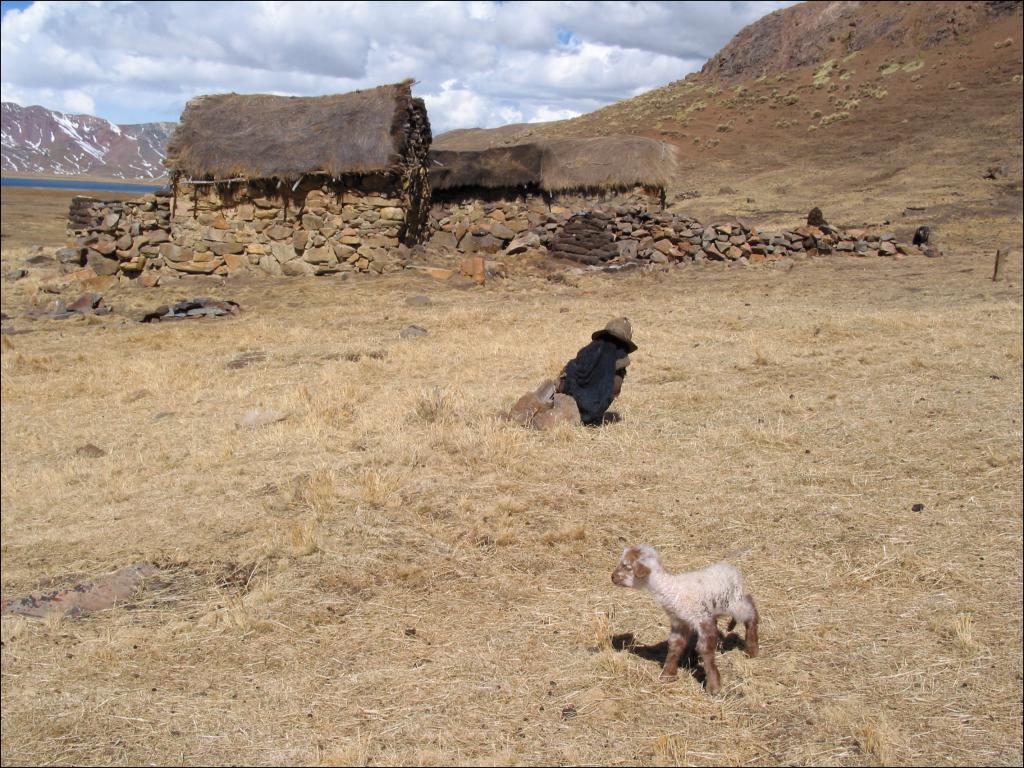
392 575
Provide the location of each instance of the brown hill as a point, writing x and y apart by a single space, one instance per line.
876 112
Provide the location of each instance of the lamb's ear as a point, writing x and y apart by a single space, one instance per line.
641 571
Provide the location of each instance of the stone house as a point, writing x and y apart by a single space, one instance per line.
484 196
297 185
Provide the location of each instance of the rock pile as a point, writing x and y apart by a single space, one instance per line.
112 236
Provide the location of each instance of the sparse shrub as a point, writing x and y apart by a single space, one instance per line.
816 114
790 99
890 68
713 90
823 73
835 117
913 66
725 127
434 405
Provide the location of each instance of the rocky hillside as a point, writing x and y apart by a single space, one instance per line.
37 140
909 112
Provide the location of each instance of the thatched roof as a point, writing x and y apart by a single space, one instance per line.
558 165
260 136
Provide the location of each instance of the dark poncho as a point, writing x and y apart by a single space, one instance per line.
590 379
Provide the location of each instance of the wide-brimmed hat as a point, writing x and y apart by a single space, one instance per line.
618 330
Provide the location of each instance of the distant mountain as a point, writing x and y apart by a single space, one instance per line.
37 140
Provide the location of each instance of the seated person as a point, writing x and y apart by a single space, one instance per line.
594 377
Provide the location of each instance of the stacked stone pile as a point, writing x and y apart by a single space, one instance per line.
314 230
587 238
112 236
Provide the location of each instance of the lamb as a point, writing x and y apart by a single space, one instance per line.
693 602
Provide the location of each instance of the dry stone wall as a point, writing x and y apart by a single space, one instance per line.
316 229
113 236
490 224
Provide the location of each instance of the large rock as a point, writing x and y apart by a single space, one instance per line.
501 231
442 240
297 268
322 255
474 268
311 221
70 256
175 253
522 243
278 232
563 411
477 243
100 264
270 265
283 252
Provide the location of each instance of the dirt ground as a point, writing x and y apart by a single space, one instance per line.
394 575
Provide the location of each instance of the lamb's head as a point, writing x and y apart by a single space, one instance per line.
636 566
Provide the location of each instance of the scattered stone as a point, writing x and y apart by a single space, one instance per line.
149 279
90 451
474 268
13 275
438 273
522 243
192 308
412 331
921 236
918 507
257 418
86 304
85 597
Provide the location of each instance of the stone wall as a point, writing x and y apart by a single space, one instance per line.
488 221
113 236
320 227
620 235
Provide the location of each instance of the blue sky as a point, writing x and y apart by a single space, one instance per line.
476 63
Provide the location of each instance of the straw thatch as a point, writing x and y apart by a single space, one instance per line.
558 165
260 136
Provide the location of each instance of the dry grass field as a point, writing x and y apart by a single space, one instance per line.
394 575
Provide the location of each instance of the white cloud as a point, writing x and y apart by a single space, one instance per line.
477 63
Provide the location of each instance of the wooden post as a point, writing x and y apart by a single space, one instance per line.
997 273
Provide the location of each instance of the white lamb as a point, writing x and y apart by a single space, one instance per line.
693 602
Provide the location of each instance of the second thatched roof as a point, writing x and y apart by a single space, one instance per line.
558 165
261 136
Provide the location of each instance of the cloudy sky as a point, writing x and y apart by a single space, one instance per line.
477 63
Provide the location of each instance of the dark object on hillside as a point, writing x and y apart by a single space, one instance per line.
192 308
815 218
994 172
921 236
86 304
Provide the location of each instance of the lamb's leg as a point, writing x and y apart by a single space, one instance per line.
750 625
707 642
677 642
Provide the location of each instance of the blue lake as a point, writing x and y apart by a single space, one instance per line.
79 184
